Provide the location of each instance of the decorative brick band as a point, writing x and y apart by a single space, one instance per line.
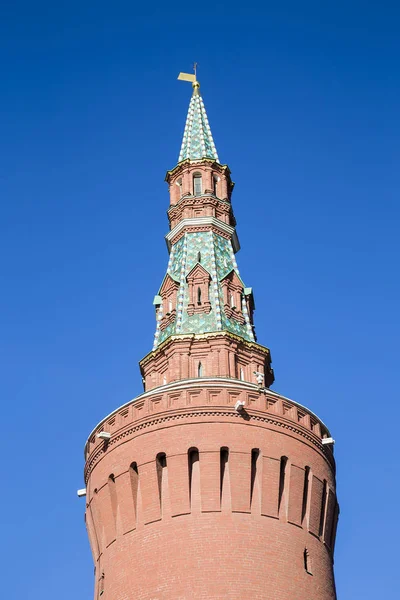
96 449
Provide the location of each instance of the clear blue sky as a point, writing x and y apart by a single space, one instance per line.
303 100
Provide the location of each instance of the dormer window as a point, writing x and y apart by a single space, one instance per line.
197 184
168 296
199 290
232 289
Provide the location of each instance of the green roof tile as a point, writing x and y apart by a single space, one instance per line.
197 140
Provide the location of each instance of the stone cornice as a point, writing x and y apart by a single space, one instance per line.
190 199
187 164
214 413
200 222
189 337
260 407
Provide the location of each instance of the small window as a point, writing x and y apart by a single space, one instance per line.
164 379
170 305
179 184
199 296
307 561
282 477
199 257
232 301
215 185
101 584
161 460
197 185
200 370
241 374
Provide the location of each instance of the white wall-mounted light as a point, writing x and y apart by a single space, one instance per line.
81 492
239 406
328 441
104 435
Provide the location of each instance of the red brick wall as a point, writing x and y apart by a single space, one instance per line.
232 524
220 353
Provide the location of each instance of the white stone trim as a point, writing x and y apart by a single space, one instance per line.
199 222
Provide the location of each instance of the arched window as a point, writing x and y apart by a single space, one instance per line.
194 479
161 465
134 479
199 257
282 477
307 561
179 184
323 508
170 305
305 493
199 370
215 185
255 455
197 184
241 374
113 495
232 301
199 296
224 477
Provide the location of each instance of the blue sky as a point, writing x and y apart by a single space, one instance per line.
303 101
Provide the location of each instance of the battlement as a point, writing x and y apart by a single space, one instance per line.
221 392
183 450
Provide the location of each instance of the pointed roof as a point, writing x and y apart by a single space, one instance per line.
197 140
168 281
197 269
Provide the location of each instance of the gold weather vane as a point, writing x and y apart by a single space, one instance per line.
191 77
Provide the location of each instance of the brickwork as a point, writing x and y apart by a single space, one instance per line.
235 522
220 355
216 182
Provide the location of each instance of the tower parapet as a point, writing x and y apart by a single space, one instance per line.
209 485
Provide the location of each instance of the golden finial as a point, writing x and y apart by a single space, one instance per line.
192 78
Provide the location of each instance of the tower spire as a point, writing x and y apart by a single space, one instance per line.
202 291
197 142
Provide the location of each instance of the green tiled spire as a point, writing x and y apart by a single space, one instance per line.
197 140
218 259
201 242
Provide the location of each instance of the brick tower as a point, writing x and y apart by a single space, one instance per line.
209 485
